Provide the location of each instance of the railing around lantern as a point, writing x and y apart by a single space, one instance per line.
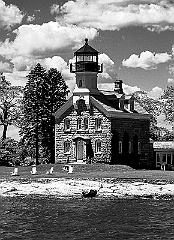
86 67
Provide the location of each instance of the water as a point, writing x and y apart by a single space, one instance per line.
47 218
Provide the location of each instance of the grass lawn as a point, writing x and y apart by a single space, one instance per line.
90 171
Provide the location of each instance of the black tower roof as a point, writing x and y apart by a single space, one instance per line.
86 49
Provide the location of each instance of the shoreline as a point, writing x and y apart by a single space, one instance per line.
73 187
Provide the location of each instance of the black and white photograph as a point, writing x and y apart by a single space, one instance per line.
86 119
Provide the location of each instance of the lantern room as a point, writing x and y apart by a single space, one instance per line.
86 60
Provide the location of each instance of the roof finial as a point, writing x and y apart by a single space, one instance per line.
86 41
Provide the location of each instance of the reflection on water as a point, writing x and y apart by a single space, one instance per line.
39 218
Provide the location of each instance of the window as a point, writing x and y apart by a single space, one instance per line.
85 123
158 163
139 148
126 103
79 123
80 58
98 123
80 83
169 158
88 58
98 146
67 124
130 147
66 147
120 146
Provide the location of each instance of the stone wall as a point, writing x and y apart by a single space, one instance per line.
104 135
139 128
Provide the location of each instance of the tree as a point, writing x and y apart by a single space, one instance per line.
153 107
55 91
33 108
168 101
10 104
44 93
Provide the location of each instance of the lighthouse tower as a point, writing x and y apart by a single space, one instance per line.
86 68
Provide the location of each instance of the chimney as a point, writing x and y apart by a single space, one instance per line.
118 86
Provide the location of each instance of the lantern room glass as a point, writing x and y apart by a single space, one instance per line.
86 58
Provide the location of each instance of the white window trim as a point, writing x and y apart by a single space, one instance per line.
139 147
67 150
97 147
65 124
130 147
120 148
87 120
97 126
79 119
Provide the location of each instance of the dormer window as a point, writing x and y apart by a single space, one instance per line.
80 83
67 124
126 104
98 123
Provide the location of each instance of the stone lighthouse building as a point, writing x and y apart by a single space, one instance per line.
100 126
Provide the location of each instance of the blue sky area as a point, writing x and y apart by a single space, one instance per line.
135 39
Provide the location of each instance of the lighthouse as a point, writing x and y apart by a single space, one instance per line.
86 69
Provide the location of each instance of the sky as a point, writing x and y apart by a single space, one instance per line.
135 39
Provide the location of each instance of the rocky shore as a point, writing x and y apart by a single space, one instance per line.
63 187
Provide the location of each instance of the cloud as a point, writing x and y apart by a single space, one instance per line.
108 66
170 81
5 67
17 78
31 18
128 90
45 40
115 14
10 15
155 93
146 60
158 28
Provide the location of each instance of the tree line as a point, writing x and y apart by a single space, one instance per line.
31 109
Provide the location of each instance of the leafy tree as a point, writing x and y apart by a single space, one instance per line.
9 152
10 104
153 107
168 101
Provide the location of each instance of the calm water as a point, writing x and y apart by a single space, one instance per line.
39 218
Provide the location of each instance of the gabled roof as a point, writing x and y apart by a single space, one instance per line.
103 105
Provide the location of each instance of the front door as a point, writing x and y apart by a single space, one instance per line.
79 150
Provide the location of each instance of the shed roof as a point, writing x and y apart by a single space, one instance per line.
163 145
